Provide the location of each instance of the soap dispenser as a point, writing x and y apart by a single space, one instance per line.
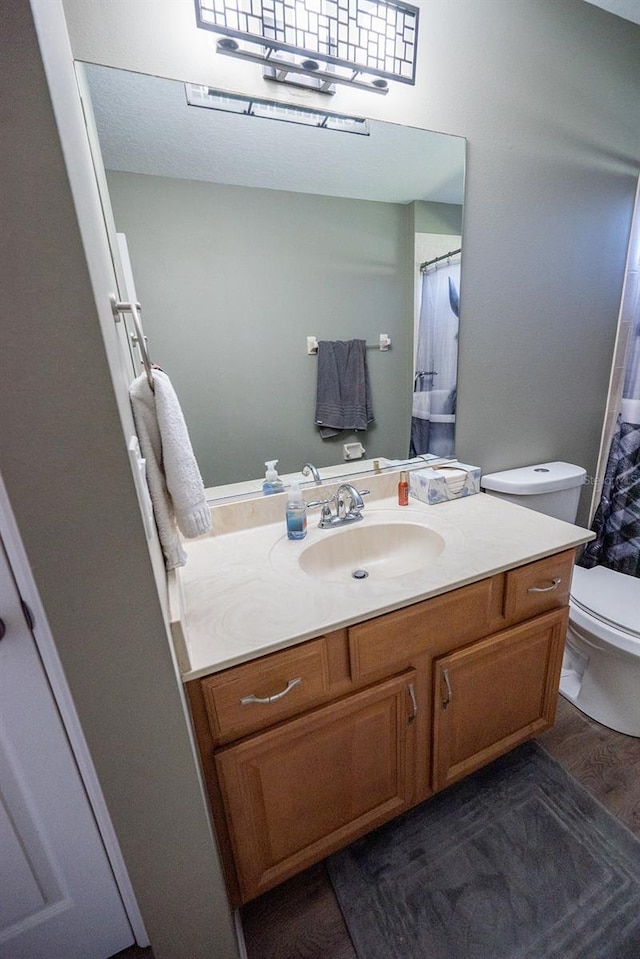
296 513
272 482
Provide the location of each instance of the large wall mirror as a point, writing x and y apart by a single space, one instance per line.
246 236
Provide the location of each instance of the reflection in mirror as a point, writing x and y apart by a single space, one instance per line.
435 378
246 236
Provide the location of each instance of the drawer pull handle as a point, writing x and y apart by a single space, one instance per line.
246 700
414 704
545 589
447 681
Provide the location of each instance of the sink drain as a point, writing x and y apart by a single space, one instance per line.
359 574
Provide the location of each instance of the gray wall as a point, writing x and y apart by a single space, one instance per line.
551 112
233 280
440 218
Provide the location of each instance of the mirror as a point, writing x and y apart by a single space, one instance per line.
246 236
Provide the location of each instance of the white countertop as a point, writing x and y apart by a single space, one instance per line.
244 593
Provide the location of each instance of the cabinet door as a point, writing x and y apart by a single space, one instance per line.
494 694
298 792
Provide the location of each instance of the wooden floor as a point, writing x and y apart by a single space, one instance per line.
605 762
301 919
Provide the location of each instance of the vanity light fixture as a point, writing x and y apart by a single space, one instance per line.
319 43
203 96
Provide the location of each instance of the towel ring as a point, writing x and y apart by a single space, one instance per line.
138 338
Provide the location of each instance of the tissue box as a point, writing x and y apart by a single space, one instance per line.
441 485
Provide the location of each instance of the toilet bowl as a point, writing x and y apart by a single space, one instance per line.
601 665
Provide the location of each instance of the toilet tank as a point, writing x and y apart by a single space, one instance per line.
551 488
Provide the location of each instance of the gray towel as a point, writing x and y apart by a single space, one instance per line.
343 400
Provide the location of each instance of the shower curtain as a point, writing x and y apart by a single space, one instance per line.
617 520
435 377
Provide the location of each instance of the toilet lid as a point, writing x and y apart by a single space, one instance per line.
611 597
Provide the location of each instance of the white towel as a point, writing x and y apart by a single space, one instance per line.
174 480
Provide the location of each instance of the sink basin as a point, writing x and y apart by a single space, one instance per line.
372 551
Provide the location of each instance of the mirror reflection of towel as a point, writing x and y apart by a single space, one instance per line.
343 399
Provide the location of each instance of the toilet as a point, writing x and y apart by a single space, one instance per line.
601 665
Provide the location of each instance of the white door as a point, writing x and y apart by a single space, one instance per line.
58 897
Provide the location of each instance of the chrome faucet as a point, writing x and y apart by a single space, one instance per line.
348 493
348 505
309 470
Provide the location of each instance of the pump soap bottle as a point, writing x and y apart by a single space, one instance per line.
296 513
272 482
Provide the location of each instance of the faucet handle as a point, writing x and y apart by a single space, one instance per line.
321 502
326 516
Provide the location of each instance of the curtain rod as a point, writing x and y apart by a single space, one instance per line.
436 259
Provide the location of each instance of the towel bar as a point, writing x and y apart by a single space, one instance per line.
383 344
138 338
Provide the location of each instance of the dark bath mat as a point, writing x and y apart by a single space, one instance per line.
516 862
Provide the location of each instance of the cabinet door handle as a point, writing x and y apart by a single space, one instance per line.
447 681
414 704
271 699
546 589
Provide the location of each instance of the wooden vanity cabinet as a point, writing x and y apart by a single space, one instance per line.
308 748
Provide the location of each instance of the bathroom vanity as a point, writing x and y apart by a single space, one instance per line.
332 706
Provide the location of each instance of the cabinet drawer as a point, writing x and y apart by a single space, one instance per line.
538 587
435 625
246 698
